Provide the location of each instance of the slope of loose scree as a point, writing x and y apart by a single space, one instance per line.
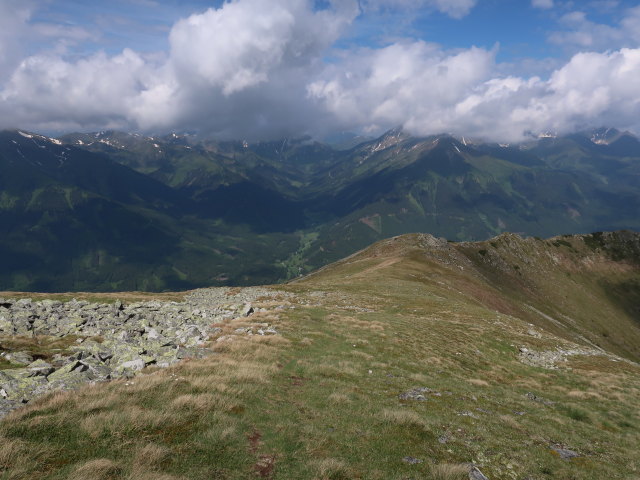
414 358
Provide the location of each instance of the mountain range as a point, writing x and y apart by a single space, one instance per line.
117 211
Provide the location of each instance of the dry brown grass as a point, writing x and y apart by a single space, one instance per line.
10 451
141 475
151 457
330 468
109 297
53 401
403 418
339 398
94 404
96 469
200 402
447 471
419 377
511 422
360 354
478 382
581 394
129 418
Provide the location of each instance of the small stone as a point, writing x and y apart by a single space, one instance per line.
137 364
415 394
565 453
152 334
411 460
40 368
476 474
19 358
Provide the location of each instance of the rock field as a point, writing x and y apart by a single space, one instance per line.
108 341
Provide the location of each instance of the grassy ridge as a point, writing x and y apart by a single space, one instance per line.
324 400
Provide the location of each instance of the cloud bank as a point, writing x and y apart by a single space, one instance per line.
254 69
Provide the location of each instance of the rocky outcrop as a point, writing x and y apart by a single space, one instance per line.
115 340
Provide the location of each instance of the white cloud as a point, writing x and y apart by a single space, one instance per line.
250 69
95 91
430 93
13 27
580 32
542 4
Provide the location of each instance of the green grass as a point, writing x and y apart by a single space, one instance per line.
321 401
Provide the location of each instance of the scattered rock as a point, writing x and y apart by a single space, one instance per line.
412 460
19 358
40 368
551 358
532 396
476 474
116 339
564 453
247 310
415 394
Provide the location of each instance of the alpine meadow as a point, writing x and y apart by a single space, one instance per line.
319 239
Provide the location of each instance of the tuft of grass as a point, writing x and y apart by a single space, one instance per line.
577 414
97 469
332 469
151 457
448 471
403 418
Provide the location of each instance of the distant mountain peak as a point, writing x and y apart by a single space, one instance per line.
604 135
390 138
548 134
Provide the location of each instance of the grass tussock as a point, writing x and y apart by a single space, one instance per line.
338 398
331 469
97 469
447 471
151 457
129 419
10 451
478 382
403 418
199 403
139 475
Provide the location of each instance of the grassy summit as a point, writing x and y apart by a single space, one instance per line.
411 359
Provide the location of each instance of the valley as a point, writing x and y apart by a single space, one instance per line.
113 211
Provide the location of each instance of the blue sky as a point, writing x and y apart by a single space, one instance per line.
261 68
520 29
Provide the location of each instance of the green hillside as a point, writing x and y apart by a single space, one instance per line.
115 211
415 358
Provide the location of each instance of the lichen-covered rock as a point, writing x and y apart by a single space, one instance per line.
40 368
117 340
18 358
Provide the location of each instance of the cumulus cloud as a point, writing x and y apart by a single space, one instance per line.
13 26
240 68
429 92
580 32
254 69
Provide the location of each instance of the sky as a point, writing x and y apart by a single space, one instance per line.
501 70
